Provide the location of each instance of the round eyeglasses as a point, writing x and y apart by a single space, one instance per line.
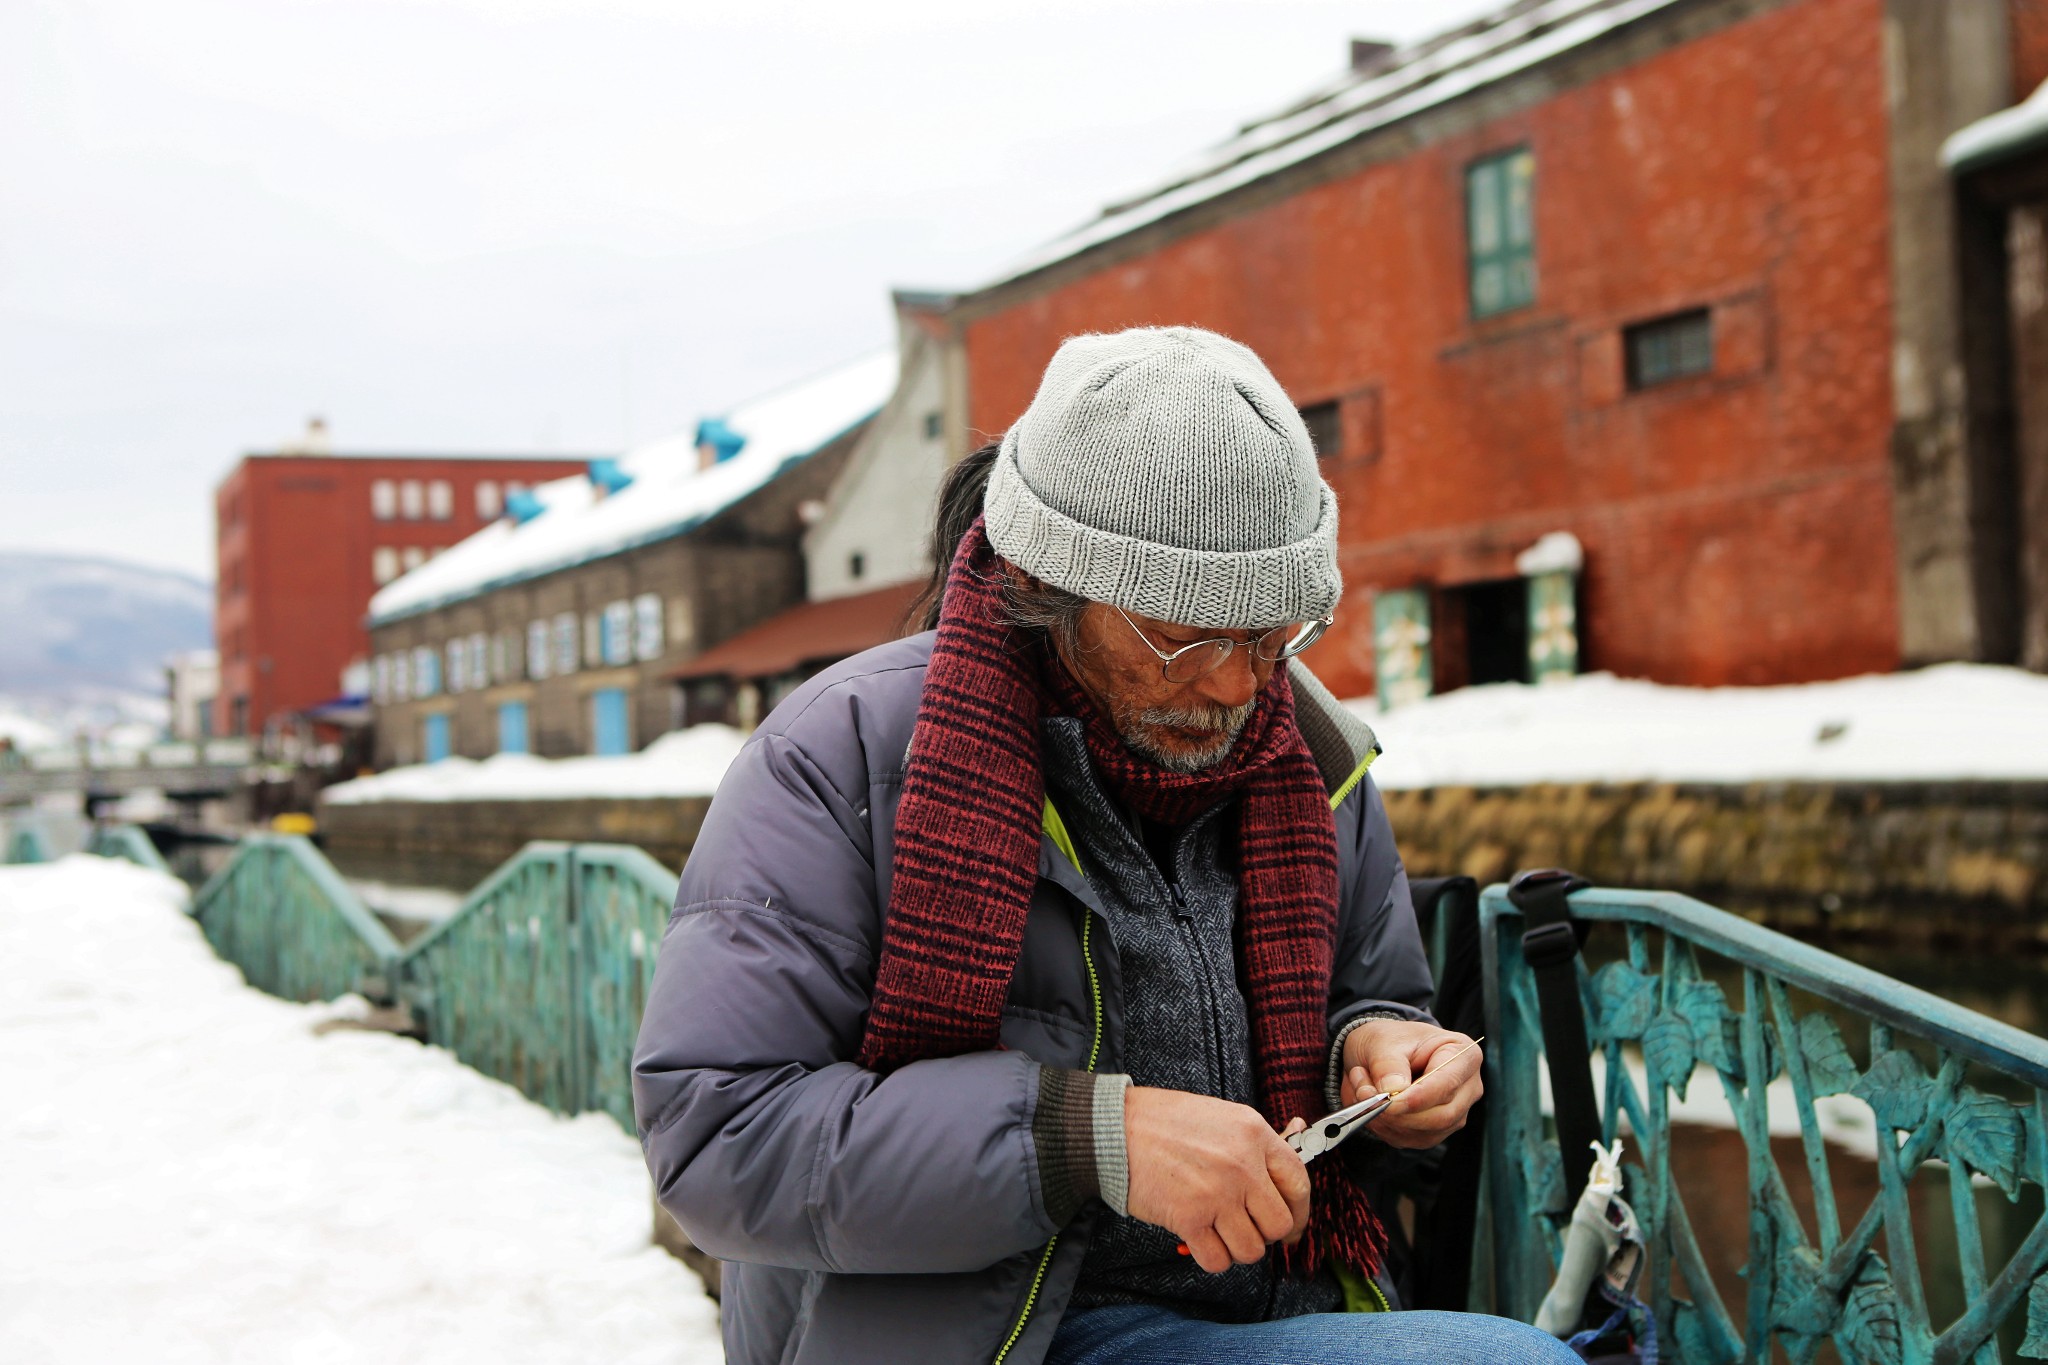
1204 657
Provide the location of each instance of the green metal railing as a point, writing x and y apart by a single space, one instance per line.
27 844
281 913
1703 997
540 978
127 842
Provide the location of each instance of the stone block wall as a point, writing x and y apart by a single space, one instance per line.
1912 861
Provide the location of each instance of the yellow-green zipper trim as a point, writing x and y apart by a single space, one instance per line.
1357 776
1056 830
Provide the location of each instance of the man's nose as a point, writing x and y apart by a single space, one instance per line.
1235 681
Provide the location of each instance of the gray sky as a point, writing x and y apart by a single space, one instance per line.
537 224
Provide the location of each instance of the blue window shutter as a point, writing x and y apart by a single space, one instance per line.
512 728
435 738
609 733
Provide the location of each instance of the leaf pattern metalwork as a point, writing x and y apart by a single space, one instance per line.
1628 999
1870 1315
1896 1088
1695 1341
1828 1065
1986 1132
1798 1303
1715 1038
1543 1172
2035 1347
1667 1047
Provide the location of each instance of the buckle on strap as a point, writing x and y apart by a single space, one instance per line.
1546 945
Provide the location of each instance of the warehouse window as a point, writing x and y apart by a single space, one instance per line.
414 557
565 643
412 500
426 672
458 666
647 642
490 501
440 500
383 500
1325 428
615 635
537 649
383 564
1668 348
1500 235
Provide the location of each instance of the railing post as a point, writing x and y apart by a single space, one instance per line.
580 1067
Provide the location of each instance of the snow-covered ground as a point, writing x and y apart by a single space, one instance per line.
686 763
188 1173
1948 722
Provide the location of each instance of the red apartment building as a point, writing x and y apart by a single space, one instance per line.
1681 278
304 539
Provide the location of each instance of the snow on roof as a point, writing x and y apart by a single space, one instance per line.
668 495
1999 136
1952 722
1417 78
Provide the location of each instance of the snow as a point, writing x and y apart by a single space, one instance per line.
1949 722
191 1174
1993 137
1421 78
668 495
26 733
684 763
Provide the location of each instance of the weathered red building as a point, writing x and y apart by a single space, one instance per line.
1678 277
303 540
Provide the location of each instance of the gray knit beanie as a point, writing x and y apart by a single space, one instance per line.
1164 470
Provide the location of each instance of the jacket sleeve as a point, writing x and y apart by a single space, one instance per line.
1381 968
766 1142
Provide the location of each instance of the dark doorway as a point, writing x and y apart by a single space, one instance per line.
1482 633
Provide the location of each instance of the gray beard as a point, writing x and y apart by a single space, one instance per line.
1140 733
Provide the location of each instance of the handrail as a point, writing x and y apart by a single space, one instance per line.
540 977
27 844
281 913
1660 1023
129 843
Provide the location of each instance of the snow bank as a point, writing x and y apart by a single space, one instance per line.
190 1174
686 763
1954 721
668 495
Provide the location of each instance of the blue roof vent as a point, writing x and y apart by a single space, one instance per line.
717 442
522 505
609 478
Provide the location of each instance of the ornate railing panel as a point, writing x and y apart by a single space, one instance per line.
283 915
622 903
540 978
493 983
127 842
1929 1080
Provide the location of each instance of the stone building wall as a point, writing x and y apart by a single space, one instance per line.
1916 861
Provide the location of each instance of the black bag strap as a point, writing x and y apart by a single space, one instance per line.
1550 944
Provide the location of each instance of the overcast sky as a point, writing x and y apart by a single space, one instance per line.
530 225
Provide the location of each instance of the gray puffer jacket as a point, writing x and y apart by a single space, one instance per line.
903 1219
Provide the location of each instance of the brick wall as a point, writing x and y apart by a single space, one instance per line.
1737 525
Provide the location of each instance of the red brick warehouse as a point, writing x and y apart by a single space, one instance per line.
1673 277
304 539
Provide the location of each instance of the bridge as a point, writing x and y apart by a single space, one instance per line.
182 772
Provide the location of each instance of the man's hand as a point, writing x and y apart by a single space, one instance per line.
1213 1173
1437 1092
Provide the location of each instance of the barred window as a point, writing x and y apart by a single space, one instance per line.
1668 348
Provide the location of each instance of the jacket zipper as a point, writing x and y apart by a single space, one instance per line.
1053 826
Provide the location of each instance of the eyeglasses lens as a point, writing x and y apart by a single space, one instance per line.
1197 662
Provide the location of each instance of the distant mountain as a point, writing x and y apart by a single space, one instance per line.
74 629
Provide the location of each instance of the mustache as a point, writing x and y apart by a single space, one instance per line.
1228 719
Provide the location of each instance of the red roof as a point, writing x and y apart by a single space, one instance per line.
811 632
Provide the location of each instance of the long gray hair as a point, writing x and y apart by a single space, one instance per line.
1030 605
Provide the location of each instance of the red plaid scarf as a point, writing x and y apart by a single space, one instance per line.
966 861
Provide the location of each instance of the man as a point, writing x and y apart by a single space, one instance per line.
1008 953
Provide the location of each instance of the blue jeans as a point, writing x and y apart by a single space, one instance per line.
1159 1336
